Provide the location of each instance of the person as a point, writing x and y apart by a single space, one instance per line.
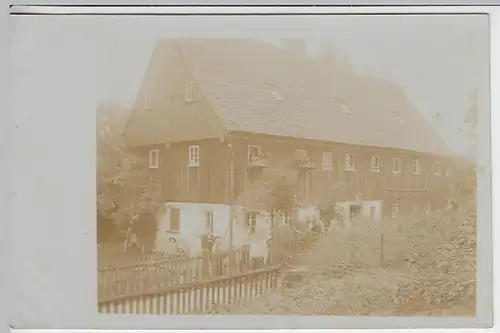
259 244
131 238
172 247
217 257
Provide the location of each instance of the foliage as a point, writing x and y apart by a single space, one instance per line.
274 191
428 268
123 181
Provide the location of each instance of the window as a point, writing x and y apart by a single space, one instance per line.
416 167
190 92
194 156
147 104
373 212
349 162
437 168
327 161
354 211
345 109
254 153
175 220
427 208
396 165
447 173
287 217
251 221
301 155
209 221
395 210
375 163
277 96
153 158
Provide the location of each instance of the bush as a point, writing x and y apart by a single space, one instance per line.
429 268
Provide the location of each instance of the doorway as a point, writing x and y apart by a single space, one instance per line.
373 212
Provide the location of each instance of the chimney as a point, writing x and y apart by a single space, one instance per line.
295 46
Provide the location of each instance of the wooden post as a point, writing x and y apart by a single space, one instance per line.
382 242
382 249
231 195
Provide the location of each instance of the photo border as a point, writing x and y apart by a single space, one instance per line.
484 253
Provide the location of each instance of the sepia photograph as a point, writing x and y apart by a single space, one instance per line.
247 171
330 174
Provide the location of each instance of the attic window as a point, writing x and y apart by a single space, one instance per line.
277 96
345 109
189 93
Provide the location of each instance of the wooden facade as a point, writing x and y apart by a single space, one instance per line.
208 180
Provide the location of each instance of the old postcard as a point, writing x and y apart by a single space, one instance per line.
326 167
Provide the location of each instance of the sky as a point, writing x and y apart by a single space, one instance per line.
439 60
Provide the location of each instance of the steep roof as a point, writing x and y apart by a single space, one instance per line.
262 88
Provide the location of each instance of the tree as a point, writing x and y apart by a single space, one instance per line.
274 191
124 184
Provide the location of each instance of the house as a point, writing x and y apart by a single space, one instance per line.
213 115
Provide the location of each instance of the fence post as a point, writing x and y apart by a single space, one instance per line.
382 249
205 263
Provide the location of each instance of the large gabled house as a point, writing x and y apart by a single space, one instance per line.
211 114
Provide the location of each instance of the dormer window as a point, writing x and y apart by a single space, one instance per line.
346 110
153 158
277 96
396 165
189 93
437 168
416 167
375 164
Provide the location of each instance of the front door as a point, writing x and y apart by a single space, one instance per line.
373 212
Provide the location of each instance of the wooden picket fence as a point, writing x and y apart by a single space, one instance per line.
154 274
197 297
161 285
118 258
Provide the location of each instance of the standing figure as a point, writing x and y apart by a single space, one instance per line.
259 244
131 239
